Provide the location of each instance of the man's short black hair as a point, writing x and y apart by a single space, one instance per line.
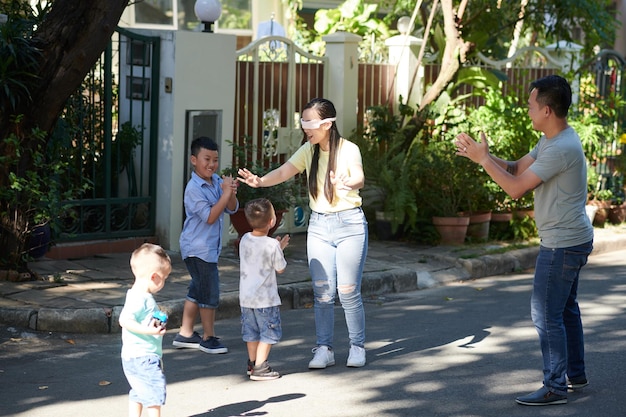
555 92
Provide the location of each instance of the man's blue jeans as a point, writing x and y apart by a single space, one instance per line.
336 248
556 315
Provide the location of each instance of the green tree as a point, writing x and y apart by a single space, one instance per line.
456 30
46 50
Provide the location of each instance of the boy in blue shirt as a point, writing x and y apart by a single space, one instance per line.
207 198
142 334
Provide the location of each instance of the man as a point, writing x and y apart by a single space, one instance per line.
557 172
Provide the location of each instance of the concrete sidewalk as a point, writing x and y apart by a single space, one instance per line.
86 295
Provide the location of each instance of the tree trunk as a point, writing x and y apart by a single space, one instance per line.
71 38
453 54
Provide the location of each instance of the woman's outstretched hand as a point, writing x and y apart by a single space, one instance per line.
247 177
340 181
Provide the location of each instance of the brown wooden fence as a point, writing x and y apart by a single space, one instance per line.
376 87
517 80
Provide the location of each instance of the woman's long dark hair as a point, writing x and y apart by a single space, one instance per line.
325 109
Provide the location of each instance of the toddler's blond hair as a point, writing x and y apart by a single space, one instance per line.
148 259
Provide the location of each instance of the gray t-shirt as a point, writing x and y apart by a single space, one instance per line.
561 197
259 259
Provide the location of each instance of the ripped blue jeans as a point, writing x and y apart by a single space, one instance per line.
336 248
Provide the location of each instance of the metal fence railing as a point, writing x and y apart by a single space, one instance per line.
109 134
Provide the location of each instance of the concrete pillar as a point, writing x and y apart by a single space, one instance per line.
403 53
343 78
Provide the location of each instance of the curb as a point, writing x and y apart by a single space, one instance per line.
296 296
105 320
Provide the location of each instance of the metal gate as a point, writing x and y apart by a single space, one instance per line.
108 133
275 79
608 67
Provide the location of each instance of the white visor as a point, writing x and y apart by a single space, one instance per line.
314 124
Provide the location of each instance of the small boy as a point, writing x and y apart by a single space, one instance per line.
207 198
261 257
142 334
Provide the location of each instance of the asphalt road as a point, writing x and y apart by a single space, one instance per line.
466 349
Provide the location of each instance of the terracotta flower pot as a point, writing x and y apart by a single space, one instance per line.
501 216
478 228
602 215
523 213
241 225
452 230
500 225
617 214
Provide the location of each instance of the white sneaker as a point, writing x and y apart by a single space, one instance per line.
323 357
356 358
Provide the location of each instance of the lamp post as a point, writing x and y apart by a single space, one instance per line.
404 25
208 11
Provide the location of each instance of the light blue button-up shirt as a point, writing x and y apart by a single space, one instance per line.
199 238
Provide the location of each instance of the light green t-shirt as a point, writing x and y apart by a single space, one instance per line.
561 197
349 156
140 306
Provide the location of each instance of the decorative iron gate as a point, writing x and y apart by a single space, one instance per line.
109 134
608 67
275 79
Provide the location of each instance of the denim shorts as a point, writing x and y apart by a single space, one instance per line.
147 380
204 289
261 325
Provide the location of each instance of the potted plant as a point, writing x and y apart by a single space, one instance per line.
444 186
31 202
479 204
390 156
617 211
283 196
602 200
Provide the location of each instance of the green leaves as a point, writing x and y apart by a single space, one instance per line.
351 16
283 196
19 57
30 197
359 18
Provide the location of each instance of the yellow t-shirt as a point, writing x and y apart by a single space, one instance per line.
349 156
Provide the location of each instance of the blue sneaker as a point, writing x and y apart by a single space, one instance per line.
212 345
542 396
187 342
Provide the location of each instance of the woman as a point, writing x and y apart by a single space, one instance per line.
337 233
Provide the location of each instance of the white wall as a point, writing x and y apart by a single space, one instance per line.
202 69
